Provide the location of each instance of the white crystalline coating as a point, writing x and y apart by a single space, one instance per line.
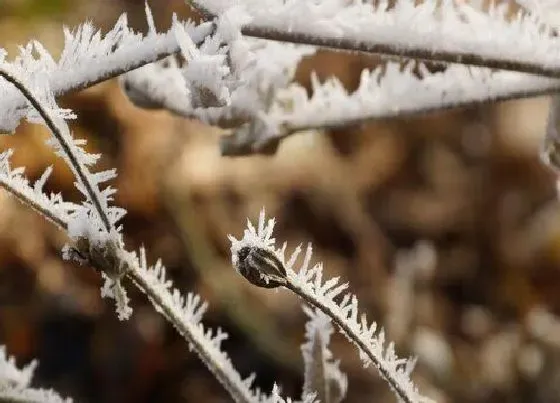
15 383
276 398
87 58
12 178
451 27
96 218
155 86
259 238
229 23
242 73
44 110
390 91
547 10
186 312
318 331
73 217
341 307
261 69
113 289
206 78
37 82
386 91
10 374
208 68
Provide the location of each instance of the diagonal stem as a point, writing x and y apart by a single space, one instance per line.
80 170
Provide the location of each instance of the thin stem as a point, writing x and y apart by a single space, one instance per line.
128 56
380 96
150 49
347 330
185 329
449 32
80 170
43 210
363 46
211 356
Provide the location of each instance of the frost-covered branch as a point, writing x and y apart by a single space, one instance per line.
388 91
96 238
52 207
228 81
263 107
15 383
93 225
184 313
68 148
89 58
322 374
255 257
308 284
449 31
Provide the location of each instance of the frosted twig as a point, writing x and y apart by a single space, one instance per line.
255 255
52 207
88 58
184 313
104 250
370 342
323 376
385 92
448 31
15 383
68 147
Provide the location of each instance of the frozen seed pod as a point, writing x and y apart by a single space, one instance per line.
260 267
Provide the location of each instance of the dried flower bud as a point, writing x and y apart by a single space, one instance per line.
261 267
103 257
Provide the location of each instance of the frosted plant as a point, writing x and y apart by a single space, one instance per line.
253 95
88 58
15 383
256 257
453 31
229 81
448 31
322 375
236 70
96 238
102 247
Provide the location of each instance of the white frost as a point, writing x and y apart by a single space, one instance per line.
15 383
341 307
432 27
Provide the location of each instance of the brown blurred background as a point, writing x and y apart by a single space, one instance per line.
446 226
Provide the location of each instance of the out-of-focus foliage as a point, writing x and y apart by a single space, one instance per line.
35 8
